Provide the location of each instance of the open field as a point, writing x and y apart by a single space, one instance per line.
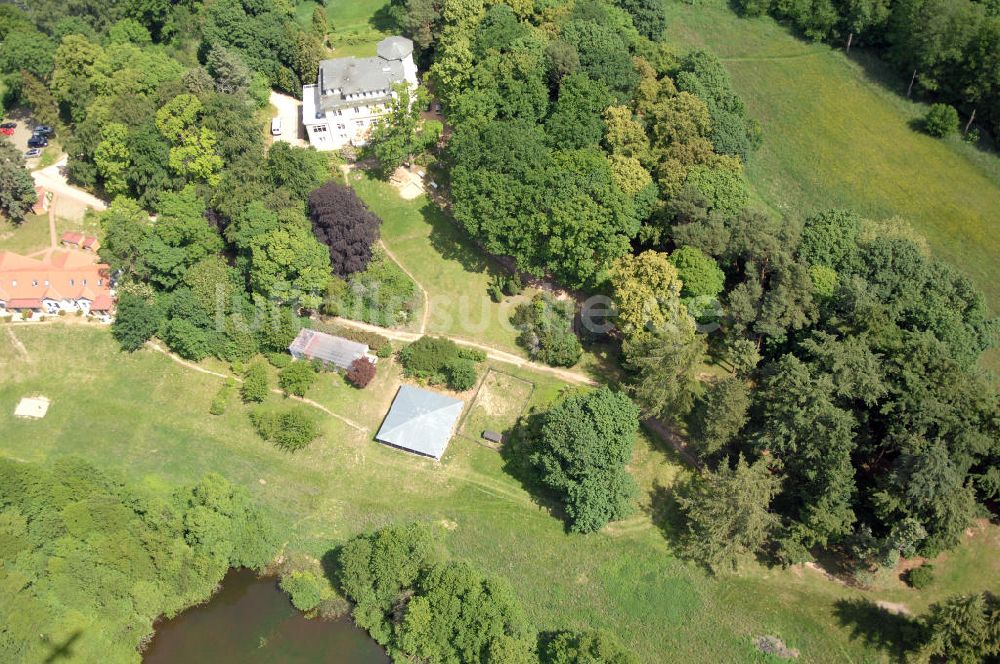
499 403
355 25
146 417
837 133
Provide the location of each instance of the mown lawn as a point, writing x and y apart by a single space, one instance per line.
32 234
355 25
445 262
146 417
838 132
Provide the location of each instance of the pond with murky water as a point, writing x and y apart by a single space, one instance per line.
250 621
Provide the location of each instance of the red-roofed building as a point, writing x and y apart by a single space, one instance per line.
68 282
72 239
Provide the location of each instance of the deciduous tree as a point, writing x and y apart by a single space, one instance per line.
583 444
343 223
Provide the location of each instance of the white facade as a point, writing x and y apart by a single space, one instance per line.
351 93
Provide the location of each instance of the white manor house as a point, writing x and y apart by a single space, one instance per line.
350 93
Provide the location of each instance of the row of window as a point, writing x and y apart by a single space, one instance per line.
72 282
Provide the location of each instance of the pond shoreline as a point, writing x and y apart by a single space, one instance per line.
250 619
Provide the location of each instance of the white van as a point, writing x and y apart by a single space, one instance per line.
276 127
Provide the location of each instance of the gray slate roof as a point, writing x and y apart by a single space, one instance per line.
311 344
420 421
394 48
353 75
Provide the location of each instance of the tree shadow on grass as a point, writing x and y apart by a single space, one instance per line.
665 512
383 19
893 633
451 241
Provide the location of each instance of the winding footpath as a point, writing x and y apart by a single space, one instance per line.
309 402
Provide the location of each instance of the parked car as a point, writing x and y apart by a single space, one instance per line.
37 141
32 153
7 128
43 130
276 127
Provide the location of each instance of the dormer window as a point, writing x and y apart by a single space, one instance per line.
34 282
72 282
14 283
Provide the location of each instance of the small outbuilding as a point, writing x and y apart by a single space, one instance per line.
493 436
420 421
338 351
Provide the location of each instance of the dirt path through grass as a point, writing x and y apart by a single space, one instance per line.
423 291
18 346
492 353
308 402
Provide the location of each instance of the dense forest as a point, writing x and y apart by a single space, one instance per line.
85 552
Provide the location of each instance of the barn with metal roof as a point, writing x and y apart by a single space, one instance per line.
420 421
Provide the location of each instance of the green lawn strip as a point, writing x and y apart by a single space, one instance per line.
146 417
354 30
445 262
836 136
28 236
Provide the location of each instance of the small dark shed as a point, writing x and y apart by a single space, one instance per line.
493 436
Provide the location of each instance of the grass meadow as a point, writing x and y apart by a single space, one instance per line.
445 262
839 132
355 25
146 417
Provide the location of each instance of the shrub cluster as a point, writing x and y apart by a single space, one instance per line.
441 361
297 378
290 428
546 326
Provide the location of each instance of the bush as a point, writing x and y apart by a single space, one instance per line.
461 374
255 386
370 339
221 400
279 360
382 295
426 357
941 120
361 373
440 361
291 429
384 351
297 378
305 589
504 284
472 354
920 577
546 326
135 323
